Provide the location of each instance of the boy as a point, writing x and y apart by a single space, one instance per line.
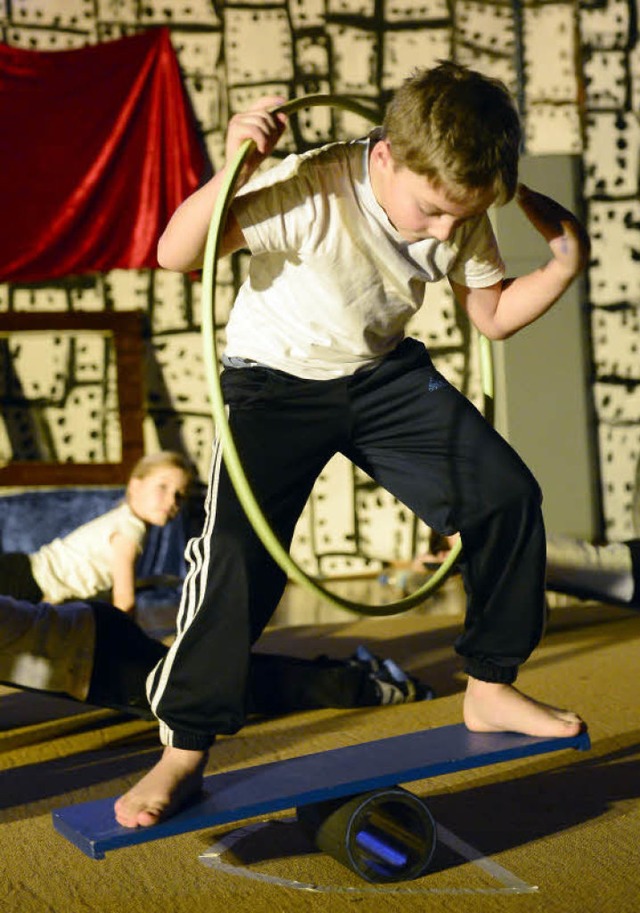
344 241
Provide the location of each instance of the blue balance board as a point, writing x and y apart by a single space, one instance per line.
248 792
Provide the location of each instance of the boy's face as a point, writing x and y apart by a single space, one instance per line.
415 207
157 497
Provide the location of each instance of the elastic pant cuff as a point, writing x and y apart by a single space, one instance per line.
489 672
188 741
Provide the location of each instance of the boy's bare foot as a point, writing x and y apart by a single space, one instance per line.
175 779
493 707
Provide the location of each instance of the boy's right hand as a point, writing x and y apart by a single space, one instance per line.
566 237
260 125
182 244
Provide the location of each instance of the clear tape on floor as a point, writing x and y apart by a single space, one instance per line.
509 883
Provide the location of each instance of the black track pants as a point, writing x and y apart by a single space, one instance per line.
420 439
124 656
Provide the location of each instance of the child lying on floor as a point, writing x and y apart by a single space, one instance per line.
607 573
92 652
101 555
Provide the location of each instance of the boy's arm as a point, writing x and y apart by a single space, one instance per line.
123 562
181 246
500 310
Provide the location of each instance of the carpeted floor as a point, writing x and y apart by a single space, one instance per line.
556 833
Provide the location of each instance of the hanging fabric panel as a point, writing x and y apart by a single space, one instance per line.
98 146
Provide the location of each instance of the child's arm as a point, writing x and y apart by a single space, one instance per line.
502 309
123 563
181 246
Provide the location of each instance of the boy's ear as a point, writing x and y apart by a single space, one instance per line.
383 151
382 154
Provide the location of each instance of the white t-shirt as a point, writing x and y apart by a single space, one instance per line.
79 565
331 283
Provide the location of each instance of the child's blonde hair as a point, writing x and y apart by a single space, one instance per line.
458 128
148 464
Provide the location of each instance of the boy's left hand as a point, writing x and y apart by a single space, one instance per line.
567 239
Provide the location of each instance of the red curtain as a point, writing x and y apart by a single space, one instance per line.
97 148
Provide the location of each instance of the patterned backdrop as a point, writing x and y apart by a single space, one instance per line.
574 68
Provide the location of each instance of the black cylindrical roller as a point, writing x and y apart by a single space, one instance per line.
384 835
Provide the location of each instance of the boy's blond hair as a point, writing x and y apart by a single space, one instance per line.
458 128
148 464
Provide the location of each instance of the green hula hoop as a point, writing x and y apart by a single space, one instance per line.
229 450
